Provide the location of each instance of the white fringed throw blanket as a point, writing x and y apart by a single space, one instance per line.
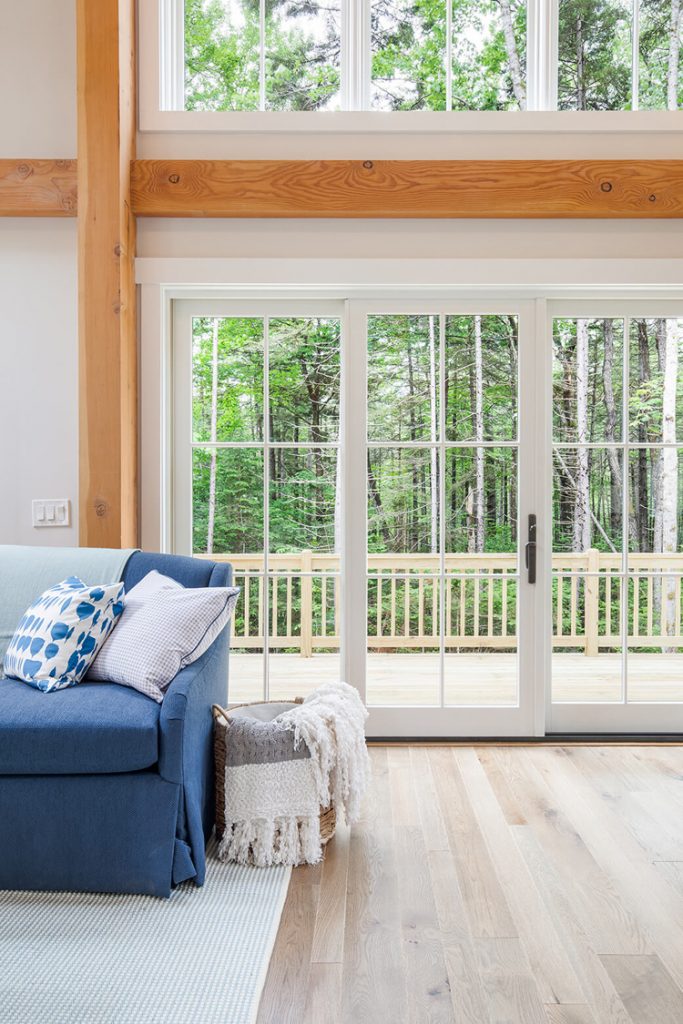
279 773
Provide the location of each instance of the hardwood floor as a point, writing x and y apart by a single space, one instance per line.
494 885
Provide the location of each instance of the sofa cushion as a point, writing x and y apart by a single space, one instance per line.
94 727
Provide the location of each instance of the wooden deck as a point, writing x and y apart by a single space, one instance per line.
470 679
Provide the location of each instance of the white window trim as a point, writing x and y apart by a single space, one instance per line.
161 91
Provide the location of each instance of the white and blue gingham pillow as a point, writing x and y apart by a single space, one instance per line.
60 634
164 628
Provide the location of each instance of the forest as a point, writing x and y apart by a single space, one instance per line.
608 389
594 413
303 58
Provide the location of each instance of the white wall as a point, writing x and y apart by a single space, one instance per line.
38 276
412 238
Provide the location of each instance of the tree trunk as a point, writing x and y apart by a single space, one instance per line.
657 460
518 87
616 481
672 74
582 518
213 433
479 435
377 501
669 473
580 71
434 466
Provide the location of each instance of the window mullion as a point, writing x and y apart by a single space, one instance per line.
542 46
635 56
357 57
449 54
262 55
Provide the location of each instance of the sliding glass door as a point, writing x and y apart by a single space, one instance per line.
368 469
617 517
472 511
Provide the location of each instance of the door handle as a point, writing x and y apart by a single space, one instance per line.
530 550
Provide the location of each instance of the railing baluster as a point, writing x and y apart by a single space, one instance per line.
560 606
323 605
273 626
462 597
393 606
246 585
490 581
608 604
406 606
289 604
636 605
379 603
574 593
420 606
259 624
504 604
475 631
435 607
650 606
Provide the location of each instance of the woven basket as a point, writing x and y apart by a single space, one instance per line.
328 817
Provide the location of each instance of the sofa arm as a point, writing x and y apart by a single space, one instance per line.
185 719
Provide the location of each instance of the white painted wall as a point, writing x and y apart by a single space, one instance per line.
38 276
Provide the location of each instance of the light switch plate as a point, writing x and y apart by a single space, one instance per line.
51 512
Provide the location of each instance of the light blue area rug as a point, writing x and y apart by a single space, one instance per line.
202 956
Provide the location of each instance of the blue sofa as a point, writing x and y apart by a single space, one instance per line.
103 789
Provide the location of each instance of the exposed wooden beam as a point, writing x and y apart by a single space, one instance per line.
408 188
106 251
37 188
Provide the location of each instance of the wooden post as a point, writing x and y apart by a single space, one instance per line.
106 285
592 603
306 605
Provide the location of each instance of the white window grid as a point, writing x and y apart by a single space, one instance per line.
162 84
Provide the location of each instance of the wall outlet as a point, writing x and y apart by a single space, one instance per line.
51 512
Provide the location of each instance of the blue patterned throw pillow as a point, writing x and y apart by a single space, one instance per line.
60 634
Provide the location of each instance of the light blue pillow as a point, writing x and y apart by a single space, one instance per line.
61 633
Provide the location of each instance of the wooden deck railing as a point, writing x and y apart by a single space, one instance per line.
480 601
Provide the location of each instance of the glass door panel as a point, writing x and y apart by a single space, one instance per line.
616 523
443 503
258 449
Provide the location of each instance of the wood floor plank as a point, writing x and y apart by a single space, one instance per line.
615 778
467 993
323 996
284 994
539 938
499 782
647 990
600 992
426 978
487 908
607 923
373 978
658 909
431 818
330 919
672 872
569 1014
510 989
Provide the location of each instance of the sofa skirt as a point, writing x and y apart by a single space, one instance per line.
91 833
